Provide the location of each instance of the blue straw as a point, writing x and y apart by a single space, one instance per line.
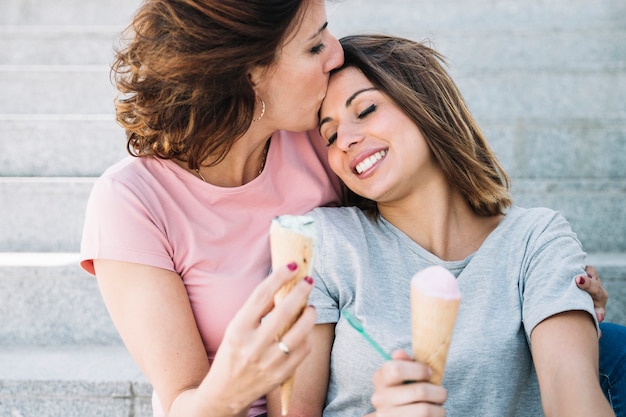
358 326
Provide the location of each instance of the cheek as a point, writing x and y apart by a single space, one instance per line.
335 160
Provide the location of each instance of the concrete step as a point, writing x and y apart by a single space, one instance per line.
59 145
67 12
62 89
71 381
47 214
559 149
47 299
42 214
60 45
399 15
469 50
596 209
410 16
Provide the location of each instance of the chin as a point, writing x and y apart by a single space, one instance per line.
306 123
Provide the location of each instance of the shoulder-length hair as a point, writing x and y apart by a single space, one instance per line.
182 75
412 75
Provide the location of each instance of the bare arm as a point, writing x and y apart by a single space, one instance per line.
150 309
565 352
311 382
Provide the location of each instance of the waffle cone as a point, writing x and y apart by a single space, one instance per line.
433 323
289 245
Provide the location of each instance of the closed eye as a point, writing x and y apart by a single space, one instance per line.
331 139
316 50
367 111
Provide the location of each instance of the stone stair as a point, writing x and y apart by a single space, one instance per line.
546 80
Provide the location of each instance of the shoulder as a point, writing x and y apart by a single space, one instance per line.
329 218
133 180
533 219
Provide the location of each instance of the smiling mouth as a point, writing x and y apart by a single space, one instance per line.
369 162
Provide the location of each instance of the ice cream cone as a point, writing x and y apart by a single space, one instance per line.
435 301
291 240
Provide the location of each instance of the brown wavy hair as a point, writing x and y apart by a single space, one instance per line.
412 75
182 72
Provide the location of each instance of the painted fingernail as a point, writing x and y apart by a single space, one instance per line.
292 266
309 280
581 280
600 317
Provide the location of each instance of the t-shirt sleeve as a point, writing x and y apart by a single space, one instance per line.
555 259
121 224
322 297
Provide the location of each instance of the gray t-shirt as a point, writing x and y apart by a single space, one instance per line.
523 273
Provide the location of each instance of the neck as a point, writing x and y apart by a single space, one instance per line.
243 163
442 223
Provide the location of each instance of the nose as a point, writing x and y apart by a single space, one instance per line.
347 136
335 55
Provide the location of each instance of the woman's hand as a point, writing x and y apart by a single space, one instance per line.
592 284
251 356
394 397
151 310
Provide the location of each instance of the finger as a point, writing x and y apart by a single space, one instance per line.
412 410
261 300
591 272
396 372
416 392
285 313
400 355
595 289
296 342
598 293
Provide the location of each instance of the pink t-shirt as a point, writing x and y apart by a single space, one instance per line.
151 211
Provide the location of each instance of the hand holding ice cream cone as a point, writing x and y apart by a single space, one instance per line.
291 240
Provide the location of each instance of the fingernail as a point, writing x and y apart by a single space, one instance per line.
312 306
600 316
292 266
309 280
581 280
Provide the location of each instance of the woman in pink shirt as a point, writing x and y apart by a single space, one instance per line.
214 96
211 93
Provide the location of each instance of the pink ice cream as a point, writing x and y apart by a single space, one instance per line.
436 281
435 300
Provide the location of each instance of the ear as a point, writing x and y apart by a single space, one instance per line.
256 75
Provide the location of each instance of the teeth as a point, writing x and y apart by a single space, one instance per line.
367 163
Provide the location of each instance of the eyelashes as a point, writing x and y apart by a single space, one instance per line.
316 50
369 110
331 139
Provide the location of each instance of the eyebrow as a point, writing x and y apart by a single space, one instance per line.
320 30
348 103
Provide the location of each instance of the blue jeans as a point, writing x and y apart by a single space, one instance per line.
613 366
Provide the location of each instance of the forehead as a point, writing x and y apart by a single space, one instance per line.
349 76
344 84
309 24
